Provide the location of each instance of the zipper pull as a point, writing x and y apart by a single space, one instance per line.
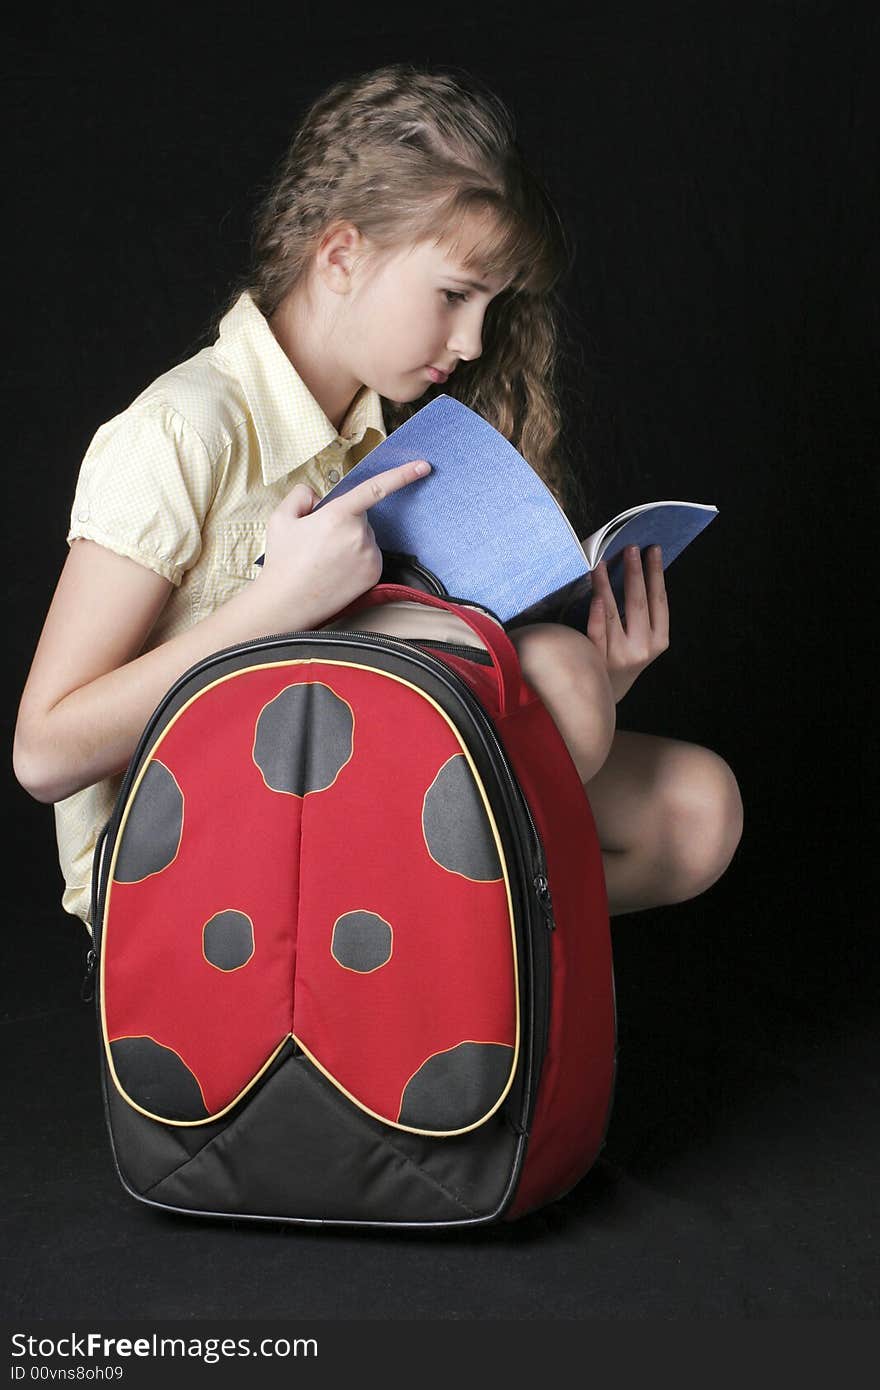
542 890
87 988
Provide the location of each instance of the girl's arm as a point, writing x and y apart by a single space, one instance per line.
89 694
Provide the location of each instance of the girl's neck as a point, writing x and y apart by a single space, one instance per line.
306 335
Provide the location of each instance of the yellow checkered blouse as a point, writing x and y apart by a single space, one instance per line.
184 482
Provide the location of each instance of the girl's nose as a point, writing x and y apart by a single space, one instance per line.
466 341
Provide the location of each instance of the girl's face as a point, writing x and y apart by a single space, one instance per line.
417 313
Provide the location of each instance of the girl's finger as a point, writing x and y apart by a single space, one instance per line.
603 590
367 494
597 629
638 621
657 600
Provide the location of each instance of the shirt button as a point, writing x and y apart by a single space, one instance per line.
333 475
82 514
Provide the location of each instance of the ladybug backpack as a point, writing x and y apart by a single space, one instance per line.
351 937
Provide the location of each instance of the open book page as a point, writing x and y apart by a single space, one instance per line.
672 525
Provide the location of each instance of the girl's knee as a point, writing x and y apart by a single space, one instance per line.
702 819
553 649
565 668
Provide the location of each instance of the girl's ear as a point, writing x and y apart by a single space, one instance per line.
340 251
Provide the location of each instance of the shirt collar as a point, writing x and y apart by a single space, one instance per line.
291 427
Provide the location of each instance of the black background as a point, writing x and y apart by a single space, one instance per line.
716 165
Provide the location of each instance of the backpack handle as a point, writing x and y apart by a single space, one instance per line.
502 651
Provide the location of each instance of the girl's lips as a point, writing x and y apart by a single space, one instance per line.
437 376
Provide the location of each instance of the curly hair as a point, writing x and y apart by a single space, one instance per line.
405 154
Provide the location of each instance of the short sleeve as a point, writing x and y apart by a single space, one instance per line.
144 489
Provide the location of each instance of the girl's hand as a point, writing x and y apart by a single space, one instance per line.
317 564
628 650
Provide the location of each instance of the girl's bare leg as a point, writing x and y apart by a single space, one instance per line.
566 669
669 817
668 814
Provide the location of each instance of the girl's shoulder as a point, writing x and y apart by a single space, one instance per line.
199 396
202 393
150 475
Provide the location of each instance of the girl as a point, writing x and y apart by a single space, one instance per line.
404 249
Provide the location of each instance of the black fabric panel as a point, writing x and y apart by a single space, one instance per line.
398 568
303 738
462 649
146 1150
457 832
362 941
156 1078
155 824
228 939
299 1149
455 1088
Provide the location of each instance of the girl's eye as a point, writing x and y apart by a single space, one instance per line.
453 296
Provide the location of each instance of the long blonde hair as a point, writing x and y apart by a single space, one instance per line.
405 153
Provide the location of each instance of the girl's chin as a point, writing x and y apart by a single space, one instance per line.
403 396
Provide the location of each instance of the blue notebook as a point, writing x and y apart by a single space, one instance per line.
484 522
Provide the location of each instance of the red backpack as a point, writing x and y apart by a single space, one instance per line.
353 941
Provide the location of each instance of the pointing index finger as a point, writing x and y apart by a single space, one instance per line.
368 493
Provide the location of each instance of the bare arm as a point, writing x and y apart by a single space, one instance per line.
89 694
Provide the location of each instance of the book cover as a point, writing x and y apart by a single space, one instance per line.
486 524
